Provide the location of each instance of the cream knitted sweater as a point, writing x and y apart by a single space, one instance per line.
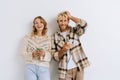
30 44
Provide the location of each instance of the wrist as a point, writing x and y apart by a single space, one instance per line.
70 17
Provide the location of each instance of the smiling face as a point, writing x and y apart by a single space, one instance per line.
38 24
63 21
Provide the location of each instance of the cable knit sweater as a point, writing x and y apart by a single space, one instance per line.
30 44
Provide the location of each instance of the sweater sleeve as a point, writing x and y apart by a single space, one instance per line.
47 56
27 50
47 50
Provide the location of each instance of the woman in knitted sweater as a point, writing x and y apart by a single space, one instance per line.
36 51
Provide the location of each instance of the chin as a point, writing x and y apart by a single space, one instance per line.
39 29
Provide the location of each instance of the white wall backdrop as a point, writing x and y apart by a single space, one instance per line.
101 41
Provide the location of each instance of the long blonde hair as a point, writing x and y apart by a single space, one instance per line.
34 31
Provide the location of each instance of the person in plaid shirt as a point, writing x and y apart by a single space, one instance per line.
67 49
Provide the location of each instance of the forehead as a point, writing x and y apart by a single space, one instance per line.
62 18
37 19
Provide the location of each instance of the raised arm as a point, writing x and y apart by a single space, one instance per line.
73 18
80 24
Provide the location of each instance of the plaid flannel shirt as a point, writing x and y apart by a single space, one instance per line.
76 51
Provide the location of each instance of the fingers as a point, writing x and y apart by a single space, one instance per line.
68 13
41 53
67 46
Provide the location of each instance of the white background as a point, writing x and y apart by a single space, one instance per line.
101 41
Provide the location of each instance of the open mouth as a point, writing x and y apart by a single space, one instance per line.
39 26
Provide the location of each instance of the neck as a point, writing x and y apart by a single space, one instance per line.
39 33
64 30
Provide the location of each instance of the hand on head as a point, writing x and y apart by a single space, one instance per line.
68 13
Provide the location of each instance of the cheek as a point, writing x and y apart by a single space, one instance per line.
58 22
42 25
66 22
35 25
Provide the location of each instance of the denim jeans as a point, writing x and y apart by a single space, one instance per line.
35 72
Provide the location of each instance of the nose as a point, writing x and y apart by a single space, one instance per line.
39 24
63 22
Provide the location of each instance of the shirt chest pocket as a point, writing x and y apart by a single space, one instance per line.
74 42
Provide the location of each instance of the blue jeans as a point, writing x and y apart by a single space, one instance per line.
35 72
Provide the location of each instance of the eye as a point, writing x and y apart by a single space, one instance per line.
65 20
36 23
60 20
41 21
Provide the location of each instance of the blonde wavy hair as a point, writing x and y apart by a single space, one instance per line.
62 14
34 31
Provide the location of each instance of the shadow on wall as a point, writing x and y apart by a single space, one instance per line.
52 26
54 70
